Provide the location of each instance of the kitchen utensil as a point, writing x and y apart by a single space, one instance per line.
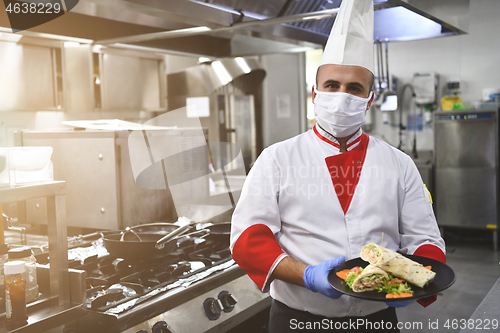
219 232
161 228
148 247
176 232
129 235
137 250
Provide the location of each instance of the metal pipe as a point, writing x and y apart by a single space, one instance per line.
379 65
381 55
401 112
387 64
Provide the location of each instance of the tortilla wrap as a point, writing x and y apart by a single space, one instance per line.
371 278
398 265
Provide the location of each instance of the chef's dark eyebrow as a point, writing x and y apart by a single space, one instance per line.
356 84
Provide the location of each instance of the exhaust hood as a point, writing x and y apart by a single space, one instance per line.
232 28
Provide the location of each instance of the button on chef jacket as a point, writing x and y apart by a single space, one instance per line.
305 199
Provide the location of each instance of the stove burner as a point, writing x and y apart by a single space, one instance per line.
111 295
113 281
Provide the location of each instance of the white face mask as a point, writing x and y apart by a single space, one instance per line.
338 113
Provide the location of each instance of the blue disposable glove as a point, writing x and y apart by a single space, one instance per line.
400 304
316 277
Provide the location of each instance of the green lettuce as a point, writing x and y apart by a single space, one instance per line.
349 280
395 288
374 248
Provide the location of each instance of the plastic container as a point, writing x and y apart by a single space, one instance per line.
490 94
26 255
30 164
4 249
15 294
4 167
490 105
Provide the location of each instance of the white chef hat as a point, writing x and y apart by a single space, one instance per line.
351 38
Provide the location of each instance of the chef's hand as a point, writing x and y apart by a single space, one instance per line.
316 277
400 304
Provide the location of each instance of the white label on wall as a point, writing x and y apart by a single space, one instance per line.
283 107
197 107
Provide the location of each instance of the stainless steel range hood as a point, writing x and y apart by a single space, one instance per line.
231 28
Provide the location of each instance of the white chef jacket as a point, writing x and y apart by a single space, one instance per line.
289 199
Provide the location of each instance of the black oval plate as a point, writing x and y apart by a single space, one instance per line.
445 277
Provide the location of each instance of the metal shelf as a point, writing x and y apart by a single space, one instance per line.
54 192
46 315
31 191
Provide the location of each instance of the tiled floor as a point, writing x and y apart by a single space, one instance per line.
477 268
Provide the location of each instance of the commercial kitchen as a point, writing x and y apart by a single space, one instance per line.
125 121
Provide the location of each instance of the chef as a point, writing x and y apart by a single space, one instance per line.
313 201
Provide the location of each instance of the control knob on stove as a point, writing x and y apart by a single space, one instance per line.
213 308
161 327
227 300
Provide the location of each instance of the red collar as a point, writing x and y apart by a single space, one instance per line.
326 137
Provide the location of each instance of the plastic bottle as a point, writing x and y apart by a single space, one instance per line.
15 294
26 255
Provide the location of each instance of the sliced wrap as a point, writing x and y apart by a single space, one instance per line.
397 265
371 278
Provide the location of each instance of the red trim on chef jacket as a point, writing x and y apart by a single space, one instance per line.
345 170
255 251
433 252
336 145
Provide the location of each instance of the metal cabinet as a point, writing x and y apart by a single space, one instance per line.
101 189
29 76
131 82
467 181
54 192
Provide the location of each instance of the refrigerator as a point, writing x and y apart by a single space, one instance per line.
466 159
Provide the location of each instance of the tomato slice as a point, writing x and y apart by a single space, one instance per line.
395 281
355 269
